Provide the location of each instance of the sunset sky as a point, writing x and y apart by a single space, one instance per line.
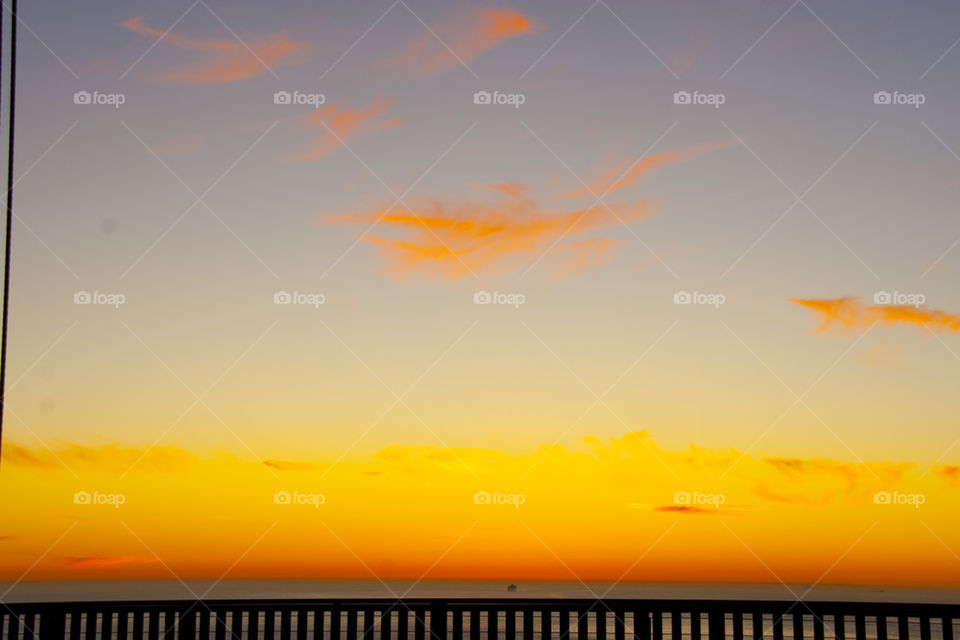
812 227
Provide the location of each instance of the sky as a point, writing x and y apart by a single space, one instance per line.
567 290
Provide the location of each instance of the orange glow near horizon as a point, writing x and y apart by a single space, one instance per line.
622 509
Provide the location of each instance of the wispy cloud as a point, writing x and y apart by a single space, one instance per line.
103 562
338 122
221 61
629 171
451 239
468 34
852 313
193 142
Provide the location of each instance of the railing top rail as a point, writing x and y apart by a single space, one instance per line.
658 604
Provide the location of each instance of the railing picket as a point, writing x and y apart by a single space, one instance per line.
903 627
403 620
236 624
13 627
778 626
641 624
797 626
386 620
475 624
352 615
253 623
600 622
716 624
219 625
91 630
76 624
493 625
946 625
438 622
658 625
818 627
695 625
882 627
510 631
527 624
618 625
676 628
925 628
270 623
457 623
153 631
860 626
582 624
319 623
52 625
546 624
738 625
419 624
839 626
564 628
204 623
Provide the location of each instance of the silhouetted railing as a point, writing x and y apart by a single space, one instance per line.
541 619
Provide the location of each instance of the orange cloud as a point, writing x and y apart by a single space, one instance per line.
223 60
467 35
285 465
685 509
851 313
453 239
338 122
102 562
629 172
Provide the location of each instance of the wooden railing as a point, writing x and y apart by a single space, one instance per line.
420 619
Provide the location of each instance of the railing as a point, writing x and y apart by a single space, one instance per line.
541 619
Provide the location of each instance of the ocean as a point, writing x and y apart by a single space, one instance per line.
67 590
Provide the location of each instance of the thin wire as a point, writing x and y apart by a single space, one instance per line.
6 253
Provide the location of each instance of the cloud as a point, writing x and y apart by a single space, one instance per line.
468 34
851 313
103 562
222 60
193 142
451 239
286 465
337 122
685 509
628 172
107 457
949 473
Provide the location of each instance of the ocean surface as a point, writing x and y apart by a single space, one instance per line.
66 590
